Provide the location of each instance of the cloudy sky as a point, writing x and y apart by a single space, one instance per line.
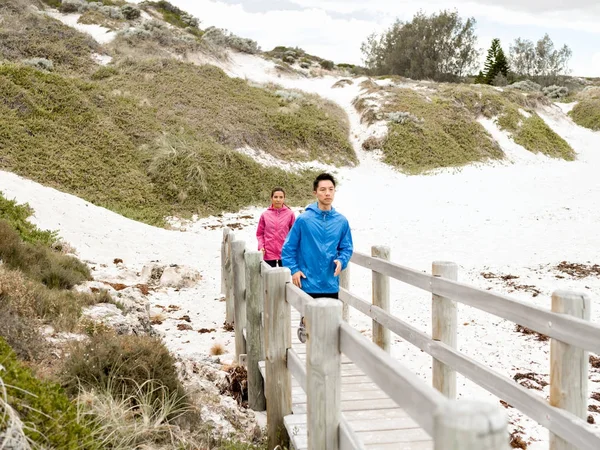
335 29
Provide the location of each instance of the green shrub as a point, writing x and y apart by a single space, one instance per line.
327 65
124 125
21 332
586 113
104 72
17 215
131 12
51 420
32 300
536 136
55 270
122 363
29 35
443 134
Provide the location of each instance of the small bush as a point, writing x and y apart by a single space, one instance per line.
40 63
21 332
50 419
586 113
130 12
372 143
555 91
104 72
16 215
222 38
327 65
32 300
527 86
55 270
71 6
122 363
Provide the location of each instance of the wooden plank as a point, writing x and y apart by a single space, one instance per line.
471 425
569 366
323 373
345 284
278 385
561 422
443 329
570 330
297 367
228 267
253 333
239 295
346 395
297 298
349 440
352 405
381 298
406 388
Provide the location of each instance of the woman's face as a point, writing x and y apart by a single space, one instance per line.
277 199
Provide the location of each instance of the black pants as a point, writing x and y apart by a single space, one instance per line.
334 295
331 295
274 262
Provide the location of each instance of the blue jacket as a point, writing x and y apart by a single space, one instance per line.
314 242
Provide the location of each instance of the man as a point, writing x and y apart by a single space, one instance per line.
319 246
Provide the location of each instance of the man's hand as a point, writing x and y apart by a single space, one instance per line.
296 278
338 267
263 251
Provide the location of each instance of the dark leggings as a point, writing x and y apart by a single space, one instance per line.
274 262
332 295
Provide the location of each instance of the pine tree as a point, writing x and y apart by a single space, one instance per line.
495 62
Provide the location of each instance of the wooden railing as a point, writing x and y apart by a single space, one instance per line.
265 289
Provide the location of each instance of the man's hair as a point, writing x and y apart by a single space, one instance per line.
277 189
323 177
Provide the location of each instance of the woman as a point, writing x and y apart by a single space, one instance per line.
273 227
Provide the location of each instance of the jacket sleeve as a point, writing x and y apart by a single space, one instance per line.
260 232
345 247
292 220
289 252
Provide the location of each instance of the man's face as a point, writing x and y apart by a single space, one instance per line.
325 192
278 199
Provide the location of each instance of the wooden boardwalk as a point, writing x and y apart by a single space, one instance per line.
359 397
375 418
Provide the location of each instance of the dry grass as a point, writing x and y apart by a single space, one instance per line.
121 364
32 301
217 349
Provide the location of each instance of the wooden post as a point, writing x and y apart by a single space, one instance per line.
239 296
470 425
569 365
254 333
229 306
345 283
444 318
226 231
278 338
323 373
381 297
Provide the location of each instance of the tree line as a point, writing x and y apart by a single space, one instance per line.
443 47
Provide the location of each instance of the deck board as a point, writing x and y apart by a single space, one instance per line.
376 419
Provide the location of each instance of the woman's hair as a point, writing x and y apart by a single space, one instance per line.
277 189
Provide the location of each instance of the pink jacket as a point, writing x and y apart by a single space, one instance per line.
273 227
